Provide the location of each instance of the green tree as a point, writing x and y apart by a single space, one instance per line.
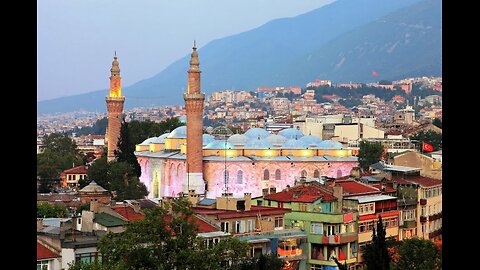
82 207
98 172
125 149
270 261
420 254
369 153
375 254
437 122
430 137
45 210
60 152
167 239
124 181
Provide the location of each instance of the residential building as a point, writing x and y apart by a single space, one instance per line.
319 210
47 259
70 177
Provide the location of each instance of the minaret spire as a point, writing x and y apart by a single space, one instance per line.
194 62
115 102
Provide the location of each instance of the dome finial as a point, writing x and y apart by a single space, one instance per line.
115 70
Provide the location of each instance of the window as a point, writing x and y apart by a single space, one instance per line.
79 221
278 175
273 190
69 177
278 222
317 228
316 174
259 203
240 177
362 227
360 208
42 265
265 191
429 210
74 177
266 175
371 207
316 267
303 174
424 211
303 207
88 257
224 226
424 228
250 224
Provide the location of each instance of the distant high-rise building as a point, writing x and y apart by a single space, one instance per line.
115 102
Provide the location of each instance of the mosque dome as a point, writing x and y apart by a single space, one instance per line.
294 144
311 140
276 139
291 133
254 133
258 144
238 139
217 144
207 138
93 188
178 133
160 139
330 144
148 141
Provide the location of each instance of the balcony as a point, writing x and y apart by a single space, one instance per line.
435 216
435 233
409 224
423 202
423 219
339 238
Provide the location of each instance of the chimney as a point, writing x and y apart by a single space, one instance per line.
248 201
192 197
136 207
39 223
356 172
338 193
287 188
94 206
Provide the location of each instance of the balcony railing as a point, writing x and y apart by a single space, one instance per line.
423 219
435 216
435 233
340 238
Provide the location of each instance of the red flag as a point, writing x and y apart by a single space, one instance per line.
427 147
374 73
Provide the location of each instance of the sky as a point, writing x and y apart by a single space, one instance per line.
76 39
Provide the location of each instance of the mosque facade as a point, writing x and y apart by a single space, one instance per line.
256 162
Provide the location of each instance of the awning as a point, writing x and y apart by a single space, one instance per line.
299 236
261 240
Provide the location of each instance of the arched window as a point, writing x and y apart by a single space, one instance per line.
339 173
266 175
278 175
178 170
239 177
316 174
226 176
304 173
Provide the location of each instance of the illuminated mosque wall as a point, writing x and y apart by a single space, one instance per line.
256 161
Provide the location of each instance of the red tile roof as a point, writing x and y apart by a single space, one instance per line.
45 253
354 188
254 211
203 226
76 170
128 213
420 180
306 194
388 189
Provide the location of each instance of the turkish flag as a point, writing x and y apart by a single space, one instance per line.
375 73
427 147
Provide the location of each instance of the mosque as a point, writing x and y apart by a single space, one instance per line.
255 162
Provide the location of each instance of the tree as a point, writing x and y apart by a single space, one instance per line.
98 172
430 137
82 207
418 253
125 149
270 261
124 181
60 152
376 255
167 239
437 122
45 210
369 153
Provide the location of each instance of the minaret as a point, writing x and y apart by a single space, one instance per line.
194 106
115 102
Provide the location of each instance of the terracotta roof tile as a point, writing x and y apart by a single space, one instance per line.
45 253
354 188
306 194
254 211
76 170
128 213
420 180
